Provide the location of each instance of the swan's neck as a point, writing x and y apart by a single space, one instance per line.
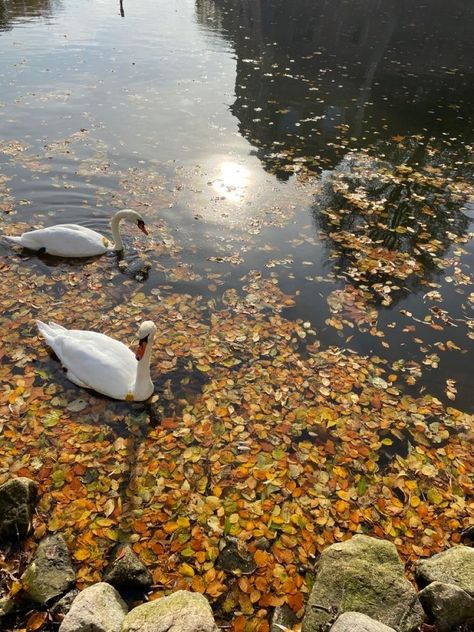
115 228
143 384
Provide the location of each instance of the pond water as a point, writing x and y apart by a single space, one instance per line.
305 172
210 119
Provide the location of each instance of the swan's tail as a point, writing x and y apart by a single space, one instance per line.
50 330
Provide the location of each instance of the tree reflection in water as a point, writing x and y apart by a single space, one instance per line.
13 10
317 79
314 77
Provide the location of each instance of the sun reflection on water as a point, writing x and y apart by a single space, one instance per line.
232 182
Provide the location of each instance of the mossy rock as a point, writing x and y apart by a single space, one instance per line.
453 566
98 608
447 606
363 575
18 498
182 611
50 573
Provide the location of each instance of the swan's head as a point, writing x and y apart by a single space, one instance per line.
146 331
134 218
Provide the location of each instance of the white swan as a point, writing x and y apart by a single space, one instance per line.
96 361
72 240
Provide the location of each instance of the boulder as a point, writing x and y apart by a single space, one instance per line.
18 498
50 573
358 622
283 616
364 575
453 566
234 558
182 611
98 608
62 607
467 535
127 570
447 605
7 606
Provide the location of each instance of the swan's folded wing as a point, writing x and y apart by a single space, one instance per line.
104 364
68 240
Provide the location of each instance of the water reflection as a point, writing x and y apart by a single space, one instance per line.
233 182
13 10
314 78
388 228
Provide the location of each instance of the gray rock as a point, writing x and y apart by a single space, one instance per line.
50 573
263 544
18 498
358 622
467 535
127 570
234 558
364 575
7 606
98 608
283 616
453 566
182 611
62 607
447 605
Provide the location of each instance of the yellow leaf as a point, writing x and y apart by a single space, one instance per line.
343 494
82 554
186 570
435 496
15 588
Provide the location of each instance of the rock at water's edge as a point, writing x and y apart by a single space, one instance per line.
447 605
98 608
358 622
363 575
62 607
7 606
18 498
234 558
283 615
127 570
50 573
453 566
182 611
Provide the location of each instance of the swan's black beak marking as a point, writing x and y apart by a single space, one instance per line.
141 226
141 348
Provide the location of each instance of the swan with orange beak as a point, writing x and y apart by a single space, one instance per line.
103 364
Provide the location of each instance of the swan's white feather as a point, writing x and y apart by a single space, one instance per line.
93 359
65 240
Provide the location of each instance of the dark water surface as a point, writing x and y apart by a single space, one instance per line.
216 118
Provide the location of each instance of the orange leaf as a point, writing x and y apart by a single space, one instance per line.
244 584
239 624
140 527
295 601
198 584
36 621
81 554
261 558
215 589
271 600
